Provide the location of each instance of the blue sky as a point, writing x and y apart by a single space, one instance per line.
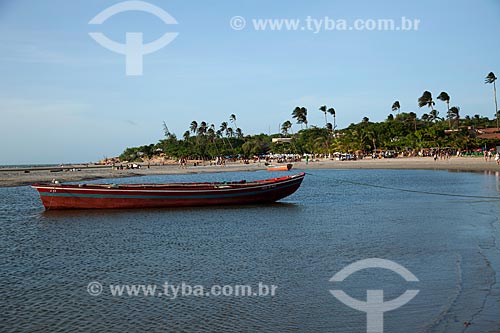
64 98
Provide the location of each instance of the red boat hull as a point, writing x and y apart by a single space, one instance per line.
55 196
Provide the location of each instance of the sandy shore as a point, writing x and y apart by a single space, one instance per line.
20 177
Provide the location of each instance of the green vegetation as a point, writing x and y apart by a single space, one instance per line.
400 132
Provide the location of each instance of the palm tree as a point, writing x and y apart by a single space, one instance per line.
239 133
223 127
426 100
434 115
443 96
166 131
202 129
285 127
186 136
304 114
193 127
296 113
396 106
300 113
232 119
323 109
413 117
455 114
211 133
332 112
230 132
212 136
491 78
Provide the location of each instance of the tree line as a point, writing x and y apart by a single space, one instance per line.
399 131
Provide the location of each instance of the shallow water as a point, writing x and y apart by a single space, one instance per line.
449 243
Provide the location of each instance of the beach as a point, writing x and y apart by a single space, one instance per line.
74 173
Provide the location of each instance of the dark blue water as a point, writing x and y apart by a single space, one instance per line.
450 243
2 166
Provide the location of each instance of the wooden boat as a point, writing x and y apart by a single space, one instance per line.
92 196
285 167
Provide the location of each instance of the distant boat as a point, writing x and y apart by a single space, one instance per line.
94 196
285 167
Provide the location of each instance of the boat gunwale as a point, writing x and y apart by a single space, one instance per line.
217 186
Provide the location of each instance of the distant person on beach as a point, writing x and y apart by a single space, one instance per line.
307 159
497 158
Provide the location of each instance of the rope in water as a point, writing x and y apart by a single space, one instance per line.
404 189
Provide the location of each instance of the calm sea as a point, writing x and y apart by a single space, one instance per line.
9 166
450 243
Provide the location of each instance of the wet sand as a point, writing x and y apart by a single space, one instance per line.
27 176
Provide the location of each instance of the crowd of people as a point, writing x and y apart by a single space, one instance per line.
435 153
488 155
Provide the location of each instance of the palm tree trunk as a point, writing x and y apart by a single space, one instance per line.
496 106
215 144
229 141
449 115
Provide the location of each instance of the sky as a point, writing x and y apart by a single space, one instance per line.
64 98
